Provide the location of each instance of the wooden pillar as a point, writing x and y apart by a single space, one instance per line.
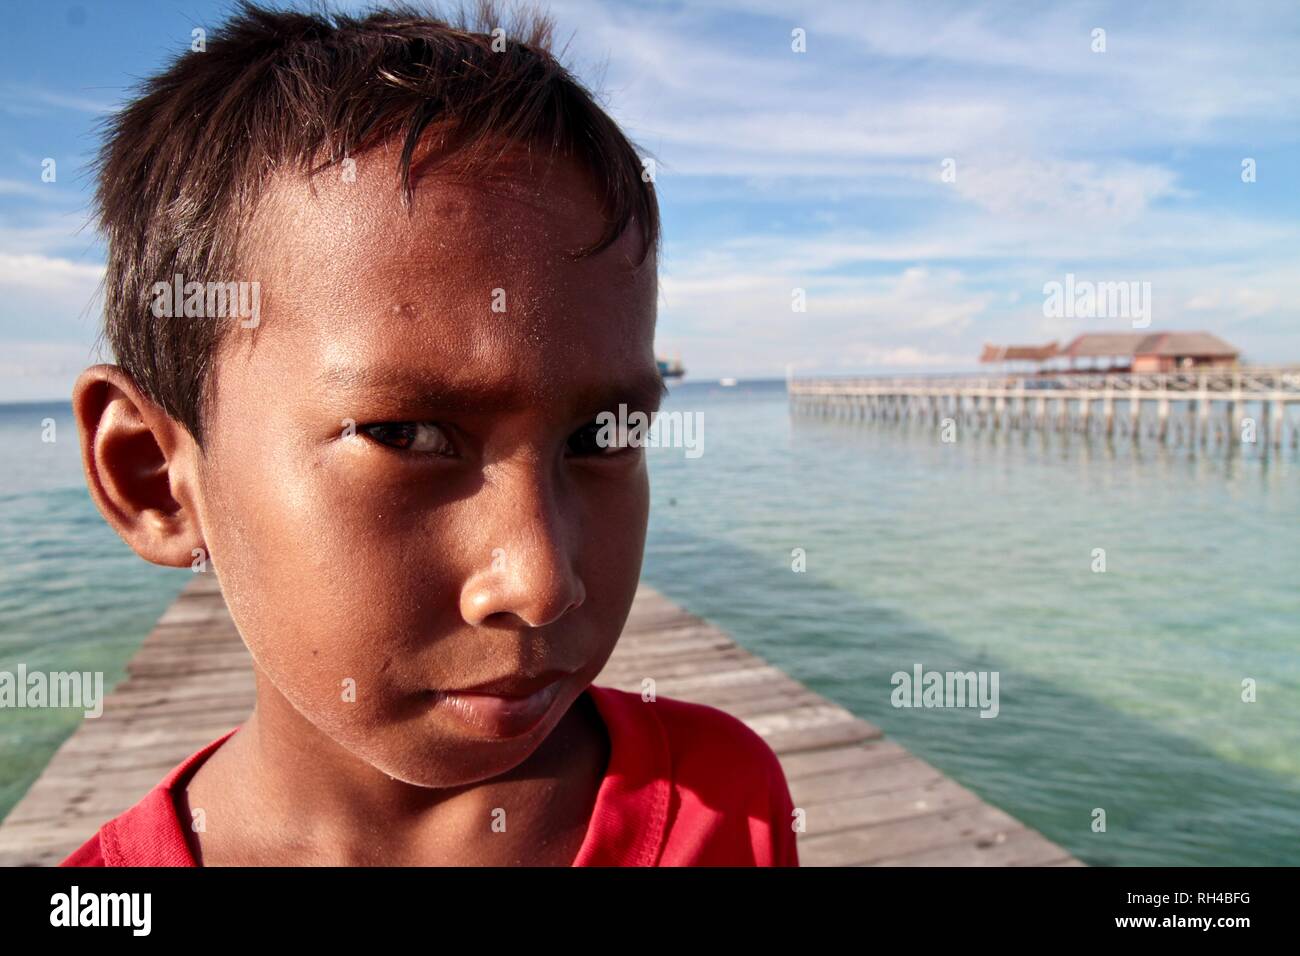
1203 410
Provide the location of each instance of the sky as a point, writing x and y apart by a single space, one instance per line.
920 170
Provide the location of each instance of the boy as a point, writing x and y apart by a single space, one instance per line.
391 458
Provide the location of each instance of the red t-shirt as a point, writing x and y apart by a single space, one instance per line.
686 785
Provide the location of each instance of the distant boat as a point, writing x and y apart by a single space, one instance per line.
670 368
727 382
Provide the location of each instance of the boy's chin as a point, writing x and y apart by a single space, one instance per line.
432 755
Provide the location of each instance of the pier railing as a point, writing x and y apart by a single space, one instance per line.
1248 380
1244 405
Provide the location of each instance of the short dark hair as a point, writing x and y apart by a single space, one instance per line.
182 166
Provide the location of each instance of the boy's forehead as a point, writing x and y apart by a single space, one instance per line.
475 275
518 210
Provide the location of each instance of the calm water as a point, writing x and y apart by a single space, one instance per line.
1119 690
73 597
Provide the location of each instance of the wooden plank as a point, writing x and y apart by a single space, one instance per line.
975 835
899 774
869 809
871 753
1018 848
832 735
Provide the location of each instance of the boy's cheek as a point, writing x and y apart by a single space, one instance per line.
619 514
324 588
349 658
311 510
613 543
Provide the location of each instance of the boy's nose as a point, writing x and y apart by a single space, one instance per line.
527 568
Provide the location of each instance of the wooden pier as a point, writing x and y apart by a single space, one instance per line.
1227 408
867 800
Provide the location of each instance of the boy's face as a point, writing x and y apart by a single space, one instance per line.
398 488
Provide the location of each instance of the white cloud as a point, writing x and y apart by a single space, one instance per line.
1116 192
49 299
47 274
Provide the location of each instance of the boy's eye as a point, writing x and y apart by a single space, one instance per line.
587 441
412 436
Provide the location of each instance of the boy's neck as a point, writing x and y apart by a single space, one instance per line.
280 792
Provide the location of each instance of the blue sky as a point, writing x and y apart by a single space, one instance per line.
818 170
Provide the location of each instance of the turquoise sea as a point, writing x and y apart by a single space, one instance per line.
1119 690
73 596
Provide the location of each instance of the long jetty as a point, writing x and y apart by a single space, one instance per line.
1223 408
867 800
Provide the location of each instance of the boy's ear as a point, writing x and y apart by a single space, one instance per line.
141 466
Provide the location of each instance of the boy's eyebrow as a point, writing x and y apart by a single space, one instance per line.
644 391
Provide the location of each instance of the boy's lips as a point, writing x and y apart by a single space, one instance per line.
499 716
513 685
504 708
